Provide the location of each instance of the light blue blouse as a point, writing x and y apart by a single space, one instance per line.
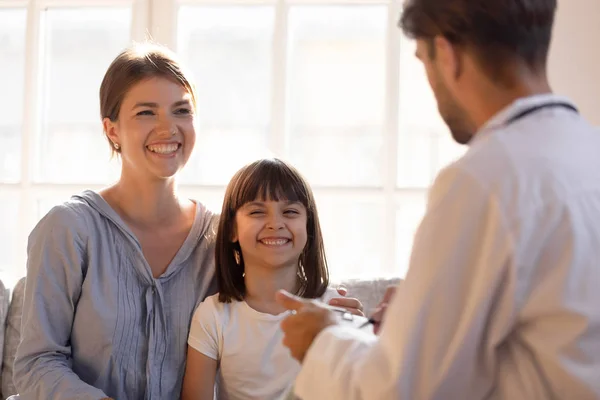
96 323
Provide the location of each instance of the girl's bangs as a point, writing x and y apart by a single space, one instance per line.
270 181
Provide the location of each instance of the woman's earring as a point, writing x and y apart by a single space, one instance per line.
117 146
236 255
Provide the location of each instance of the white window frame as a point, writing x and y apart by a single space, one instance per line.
157 19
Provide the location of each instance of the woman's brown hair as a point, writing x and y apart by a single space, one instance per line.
133 65
268 180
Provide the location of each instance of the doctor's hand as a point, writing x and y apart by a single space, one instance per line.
379 314
302 327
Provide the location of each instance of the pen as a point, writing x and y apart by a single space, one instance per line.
367 322
348 316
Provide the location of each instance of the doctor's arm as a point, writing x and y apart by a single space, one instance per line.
440 331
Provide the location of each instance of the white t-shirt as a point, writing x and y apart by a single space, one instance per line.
252 361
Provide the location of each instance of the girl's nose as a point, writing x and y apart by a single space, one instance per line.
274 223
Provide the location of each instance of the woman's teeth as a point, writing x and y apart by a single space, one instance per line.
163 148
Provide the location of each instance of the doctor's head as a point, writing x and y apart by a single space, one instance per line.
473 47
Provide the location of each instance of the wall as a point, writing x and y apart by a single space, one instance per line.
574 65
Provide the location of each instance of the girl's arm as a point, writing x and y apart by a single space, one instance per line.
199 378
203 351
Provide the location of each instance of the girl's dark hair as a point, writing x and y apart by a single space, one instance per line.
268 180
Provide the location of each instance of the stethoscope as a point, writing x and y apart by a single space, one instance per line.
534 109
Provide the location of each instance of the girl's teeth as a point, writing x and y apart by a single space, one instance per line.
275 242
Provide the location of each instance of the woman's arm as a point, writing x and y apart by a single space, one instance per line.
199 378
55 263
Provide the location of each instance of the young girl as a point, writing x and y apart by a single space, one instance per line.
268 239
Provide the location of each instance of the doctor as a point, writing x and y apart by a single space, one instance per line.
502 297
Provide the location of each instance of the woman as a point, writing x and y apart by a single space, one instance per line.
113 277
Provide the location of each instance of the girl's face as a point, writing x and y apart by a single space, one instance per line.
155 129
271 233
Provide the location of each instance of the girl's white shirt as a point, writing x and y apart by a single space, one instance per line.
247 344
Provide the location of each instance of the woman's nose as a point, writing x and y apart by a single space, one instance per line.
166 126
166 131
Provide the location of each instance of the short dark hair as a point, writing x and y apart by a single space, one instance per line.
268 179
496 30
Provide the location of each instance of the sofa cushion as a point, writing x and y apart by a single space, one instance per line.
369 292
12 335
4 302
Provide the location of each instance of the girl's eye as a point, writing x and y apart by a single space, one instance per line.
145 112
291 212
256 212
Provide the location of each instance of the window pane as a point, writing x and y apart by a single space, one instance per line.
229 52
424 142
336 76
79 45
409 213
211 199
12 79
352 232
9 234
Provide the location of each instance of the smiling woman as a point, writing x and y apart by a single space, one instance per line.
113 276
159 133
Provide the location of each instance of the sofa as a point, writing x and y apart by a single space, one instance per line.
369 292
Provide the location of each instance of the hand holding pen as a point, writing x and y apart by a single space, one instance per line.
379 313
376 318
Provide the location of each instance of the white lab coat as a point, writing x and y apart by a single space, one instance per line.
502 297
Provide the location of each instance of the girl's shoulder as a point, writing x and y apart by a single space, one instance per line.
212 309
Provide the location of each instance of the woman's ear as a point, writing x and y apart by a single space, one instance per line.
110 129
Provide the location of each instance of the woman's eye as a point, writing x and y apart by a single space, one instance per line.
146 112
183 111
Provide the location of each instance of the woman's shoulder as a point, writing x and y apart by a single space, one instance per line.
74 218
205 210
69 215
208 220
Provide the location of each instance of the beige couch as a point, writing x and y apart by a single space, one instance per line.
369 293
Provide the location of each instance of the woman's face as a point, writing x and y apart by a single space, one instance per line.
155 130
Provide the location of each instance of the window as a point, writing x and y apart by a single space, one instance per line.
336 58
228 48
77 46
330 86
12 82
